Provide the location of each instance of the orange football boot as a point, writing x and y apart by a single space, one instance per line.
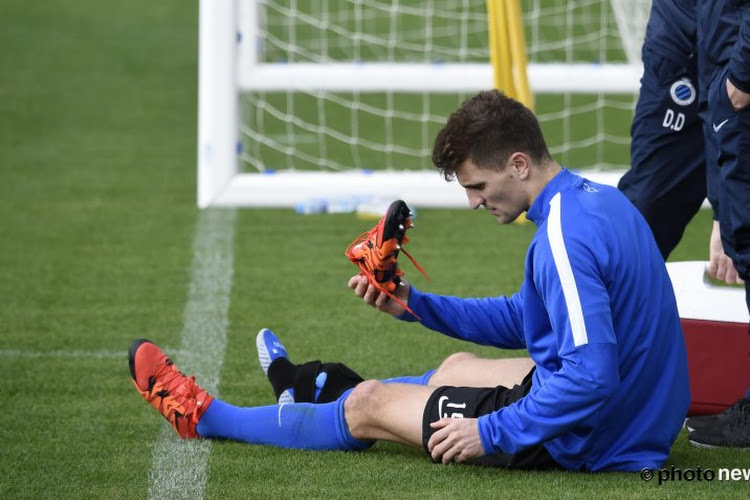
375 252
177 397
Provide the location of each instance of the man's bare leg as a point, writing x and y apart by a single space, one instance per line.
464 369
395 412
391 412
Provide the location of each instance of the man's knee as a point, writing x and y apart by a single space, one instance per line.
449 366
455 359
359 405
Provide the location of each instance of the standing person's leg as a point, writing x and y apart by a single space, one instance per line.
729 131
734 192
666 180
733 139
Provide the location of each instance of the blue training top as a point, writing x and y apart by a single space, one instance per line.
597 313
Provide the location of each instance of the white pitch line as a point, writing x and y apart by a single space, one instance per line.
180 467
61 354
74 354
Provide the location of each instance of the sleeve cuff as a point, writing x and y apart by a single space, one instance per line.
490 447
415 298
741 85
486 442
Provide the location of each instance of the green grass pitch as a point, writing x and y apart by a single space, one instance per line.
97 218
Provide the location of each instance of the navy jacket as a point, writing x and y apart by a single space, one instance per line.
724 40
671 29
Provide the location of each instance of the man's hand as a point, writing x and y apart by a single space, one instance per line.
738 98
456 440
364 290
720 266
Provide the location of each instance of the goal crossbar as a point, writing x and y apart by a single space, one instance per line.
438 78
424 189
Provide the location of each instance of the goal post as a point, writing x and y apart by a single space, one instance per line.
218 165
336 98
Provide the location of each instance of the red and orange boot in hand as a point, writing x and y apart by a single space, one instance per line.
375 252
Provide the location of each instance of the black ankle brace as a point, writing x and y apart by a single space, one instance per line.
281 374
284 375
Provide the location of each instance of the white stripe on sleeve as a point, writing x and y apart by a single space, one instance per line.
565 272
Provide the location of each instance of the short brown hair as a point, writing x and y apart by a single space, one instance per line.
487 129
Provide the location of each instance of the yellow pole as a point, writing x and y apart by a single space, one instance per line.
518 52
500 54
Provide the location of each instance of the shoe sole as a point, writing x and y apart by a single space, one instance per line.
395 221
714 447
394 226
264 357
265 361
285 398
701 445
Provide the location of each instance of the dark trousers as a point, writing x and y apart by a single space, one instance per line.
667 178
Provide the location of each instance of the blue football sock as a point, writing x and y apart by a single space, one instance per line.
418 380
298 425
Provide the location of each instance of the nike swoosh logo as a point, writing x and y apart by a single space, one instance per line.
718 127
440 406
279 416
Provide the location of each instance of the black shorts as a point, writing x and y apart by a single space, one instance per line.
472 402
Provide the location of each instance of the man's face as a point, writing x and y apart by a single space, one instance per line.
502 192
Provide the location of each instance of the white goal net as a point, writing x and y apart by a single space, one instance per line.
321 98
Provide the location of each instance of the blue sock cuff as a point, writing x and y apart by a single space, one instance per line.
426 377
342 430
215 411
423 379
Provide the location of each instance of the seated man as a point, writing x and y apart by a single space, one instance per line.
596 312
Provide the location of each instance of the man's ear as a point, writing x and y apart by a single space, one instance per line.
520 163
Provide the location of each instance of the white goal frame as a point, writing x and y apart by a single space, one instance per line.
227 36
